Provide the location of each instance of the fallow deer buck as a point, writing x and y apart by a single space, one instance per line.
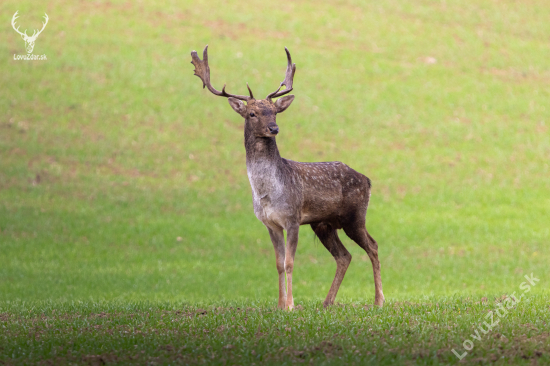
286 194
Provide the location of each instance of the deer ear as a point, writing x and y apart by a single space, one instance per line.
237 105
283 103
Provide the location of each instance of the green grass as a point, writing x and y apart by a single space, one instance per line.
255 332
123 183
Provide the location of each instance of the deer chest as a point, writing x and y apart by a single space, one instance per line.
268 197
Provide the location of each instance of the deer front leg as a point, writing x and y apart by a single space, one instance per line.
291 245
278 240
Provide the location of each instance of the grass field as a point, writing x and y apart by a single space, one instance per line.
126 226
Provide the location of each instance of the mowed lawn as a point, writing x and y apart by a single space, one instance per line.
123 186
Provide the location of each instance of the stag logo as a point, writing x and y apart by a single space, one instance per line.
29 40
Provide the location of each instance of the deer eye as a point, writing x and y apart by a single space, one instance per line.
252 114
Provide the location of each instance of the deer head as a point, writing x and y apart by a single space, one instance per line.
260 114
29 41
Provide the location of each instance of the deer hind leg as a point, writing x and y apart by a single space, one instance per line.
329 237
278 240
359 234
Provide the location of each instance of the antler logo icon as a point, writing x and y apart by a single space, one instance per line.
29 41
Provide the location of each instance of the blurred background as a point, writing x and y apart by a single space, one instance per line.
121 178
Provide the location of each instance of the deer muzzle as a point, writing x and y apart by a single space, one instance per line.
273 128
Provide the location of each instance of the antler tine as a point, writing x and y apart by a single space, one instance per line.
202 70
289 78
43 24
13 19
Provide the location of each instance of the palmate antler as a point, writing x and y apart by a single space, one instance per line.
203 71
289 78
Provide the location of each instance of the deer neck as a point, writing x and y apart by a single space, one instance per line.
263 164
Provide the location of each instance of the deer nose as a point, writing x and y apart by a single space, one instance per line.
274 129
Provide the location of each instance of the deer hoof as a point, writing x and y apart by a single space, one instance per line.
379 301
